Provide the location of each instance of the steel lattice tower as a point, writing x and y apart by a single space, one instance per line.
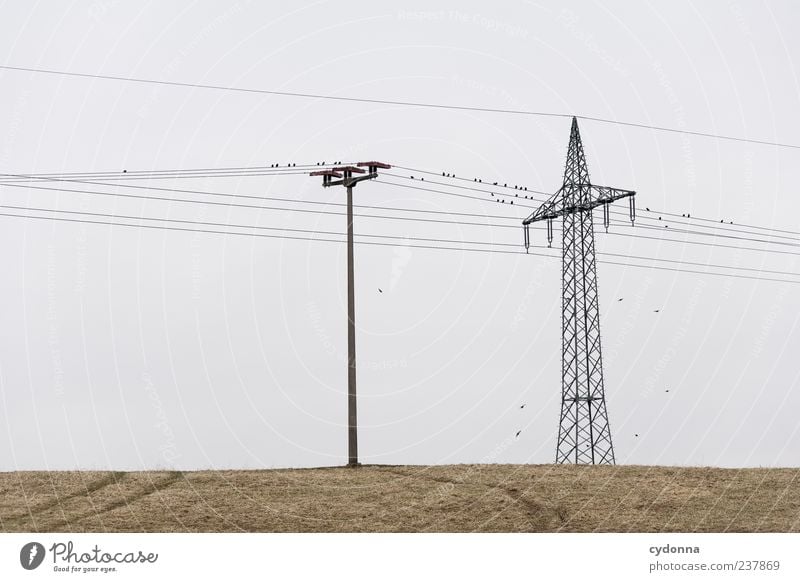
584 435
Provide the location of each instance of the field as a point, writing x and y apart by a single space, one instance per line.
377 498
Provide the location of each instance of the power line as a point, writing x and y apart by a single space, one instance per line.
116 216
247 171
209 172
375 243
401 103
244 196
324 212
27 177
248 206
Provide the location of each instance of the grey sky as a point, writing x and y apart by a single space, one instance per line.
127 348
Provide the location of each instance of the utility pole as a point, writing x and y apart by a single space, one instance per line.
584 435
346 179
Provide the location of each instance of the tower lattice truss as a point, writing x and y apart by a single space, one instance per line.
584 435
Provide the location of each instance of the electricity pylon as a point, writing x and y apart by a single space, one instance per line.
346 179
584 436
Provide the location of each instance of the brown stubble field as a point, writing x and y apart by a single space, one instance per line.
378 498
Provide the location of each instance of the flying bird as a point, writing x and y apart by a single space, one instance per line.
620 299
517 435
380 290
656 310
523 406
636 434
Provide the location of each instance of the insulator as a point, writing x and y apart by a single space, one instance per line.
632 208
526 235
549 232
606 216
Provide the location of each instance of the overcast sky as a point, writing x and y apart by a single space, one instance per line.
130 348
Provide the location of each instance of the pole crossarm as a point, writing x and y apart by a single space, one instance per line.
345 173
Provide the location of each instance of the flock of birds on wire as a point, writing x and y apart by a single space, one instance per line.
480 181
525 196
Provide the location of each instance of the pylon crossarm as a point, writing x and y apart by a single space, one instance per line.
548 207
606 194
555 208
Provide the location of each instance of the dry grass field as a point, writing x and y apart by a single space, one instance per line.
457 498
